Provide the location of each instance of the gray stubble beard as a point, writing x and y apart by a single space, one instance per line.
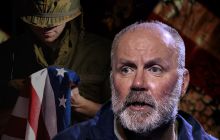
164 111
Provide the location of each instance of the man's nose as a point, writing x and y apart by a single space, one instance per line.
139 81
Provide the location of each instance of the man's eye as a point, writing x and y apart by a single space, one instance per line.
155 70
126 70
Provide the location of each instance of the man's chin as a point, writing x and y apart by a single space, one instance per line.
138 121
49 40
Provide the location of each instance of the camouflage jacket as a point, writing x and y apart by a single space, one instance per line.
89 57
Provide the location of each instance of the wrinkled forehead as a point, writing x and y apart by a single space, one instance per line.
145 44
158 35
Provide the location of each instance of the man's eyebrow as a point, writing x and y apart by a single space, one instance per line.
158 61
149 63
127 63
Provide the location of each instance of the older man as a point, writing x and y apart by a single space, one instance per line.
148 78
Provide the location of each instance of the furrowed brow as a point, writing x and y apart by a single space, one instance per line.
156 61
128 63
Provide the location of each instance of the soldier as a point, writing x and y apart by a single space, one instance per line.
54 36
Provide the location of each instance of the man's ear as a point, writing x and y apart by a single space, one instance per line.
186 78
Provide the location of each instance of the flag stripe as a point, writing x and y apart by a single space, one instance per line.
30 135
38 80
37 91
49 109
21 108
34 112
42 133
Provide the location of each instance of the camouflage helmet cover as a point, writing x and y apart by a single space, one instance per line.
49 13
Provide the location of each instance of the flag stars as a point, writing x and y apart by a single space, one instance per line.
62 102
61 72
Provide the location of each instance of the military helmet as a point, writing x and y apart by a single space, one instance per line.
49 13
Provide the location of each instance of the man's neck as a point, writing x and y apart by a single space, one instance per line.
165 132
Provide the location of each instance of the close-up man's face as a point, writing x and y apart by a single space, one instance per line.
146 84
48 35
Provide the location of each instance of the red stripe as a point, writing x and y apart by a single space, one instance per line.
42 133
16 127
34 110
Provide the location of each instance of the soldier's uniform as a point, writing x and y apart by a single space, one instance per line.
87 55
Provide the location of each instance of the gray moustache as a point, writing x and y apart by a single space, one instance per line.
139 98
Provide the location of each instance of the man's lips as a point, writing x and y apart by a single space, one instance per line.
47 35
140 106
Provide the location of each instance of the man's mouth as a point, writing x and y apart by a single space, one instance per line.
139 106
47 35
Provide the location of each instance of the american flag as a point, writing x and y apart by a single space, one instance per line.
43 108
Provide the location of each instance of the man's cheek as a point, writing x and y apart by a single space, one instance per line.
122 89
167 88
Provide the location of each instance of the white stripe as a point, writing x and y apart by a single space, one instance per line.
29 135
49 109
21 108
38 82
6 137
